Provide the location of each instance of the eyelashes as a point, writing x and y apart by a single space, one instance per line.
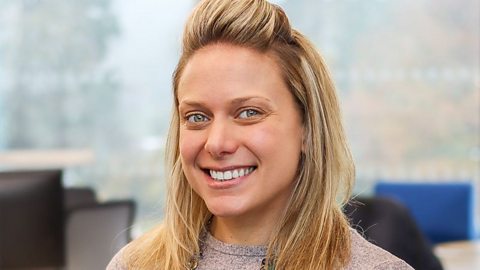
245 115
196 118
248 113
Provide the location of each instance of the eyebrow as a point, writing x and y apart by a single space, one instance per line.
190 103
241 100
235 102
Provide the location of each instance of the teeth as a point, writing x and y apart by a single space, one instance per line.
231 174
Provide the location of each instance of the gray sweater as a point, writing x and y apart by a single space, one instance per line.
221 256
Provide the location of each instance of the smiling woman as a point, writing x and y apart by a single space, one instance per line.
250 125
257 154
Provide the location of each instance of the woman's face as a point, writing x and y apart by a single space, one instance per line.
240 131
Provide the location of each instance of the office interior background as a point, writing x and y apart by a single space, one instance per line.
89 82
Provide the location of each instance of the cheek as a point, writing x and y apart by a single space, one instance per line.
271 139
259 139
189 147
259 136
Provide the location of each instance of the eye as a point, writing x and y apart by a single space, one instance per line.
196 118
245 114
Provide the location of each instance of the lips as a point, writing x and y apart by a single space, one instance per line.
225 175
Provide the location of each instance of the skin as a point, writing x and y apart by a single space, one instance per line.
237 112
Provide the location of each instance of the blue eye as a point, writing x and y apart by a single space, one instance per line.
196 118
248 113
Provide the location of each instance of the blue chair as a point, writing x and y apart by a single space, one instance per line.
443 211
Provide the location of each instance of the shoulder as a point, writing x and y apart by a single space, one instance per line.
367 256
139 251
118 261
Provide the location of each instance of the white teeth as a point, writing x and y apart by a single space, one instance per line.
230 174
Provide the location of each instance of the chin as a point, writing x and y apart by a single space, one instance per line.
225 210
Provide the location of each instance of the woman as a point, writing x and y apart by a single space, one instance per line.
257 152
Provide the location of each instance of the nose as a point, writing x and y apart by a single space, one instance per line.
221 140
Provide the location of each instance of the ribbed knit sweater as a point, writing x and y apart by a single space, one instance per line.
217 255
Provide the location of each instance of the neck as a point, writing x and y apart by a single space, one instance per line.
244 230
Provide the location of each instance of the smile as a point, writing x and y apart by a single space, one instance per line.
230 174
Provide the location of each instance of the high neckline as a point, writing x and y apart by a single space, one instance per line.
235 249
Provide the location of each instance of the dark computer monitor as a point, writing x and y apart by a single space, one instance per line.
31 219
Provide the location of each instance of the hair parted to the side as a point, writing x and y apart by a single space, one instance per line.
314 234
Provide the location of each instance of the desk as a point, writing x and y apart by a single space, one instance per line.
461 255
42 159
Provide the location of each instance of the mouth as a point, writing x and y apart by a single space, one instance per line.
226 175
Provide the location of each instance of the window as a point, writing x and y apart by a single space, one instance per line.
408 77
96 76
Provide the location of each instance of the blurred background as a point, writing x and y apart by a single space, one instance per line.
86 86
93 78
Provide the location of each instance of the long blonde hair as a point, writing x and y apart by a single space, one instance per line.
314 233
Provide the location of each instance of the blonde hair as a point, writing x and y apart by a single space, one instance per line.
314 233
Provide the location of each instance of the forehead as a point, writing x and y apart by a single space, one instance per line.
230 66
